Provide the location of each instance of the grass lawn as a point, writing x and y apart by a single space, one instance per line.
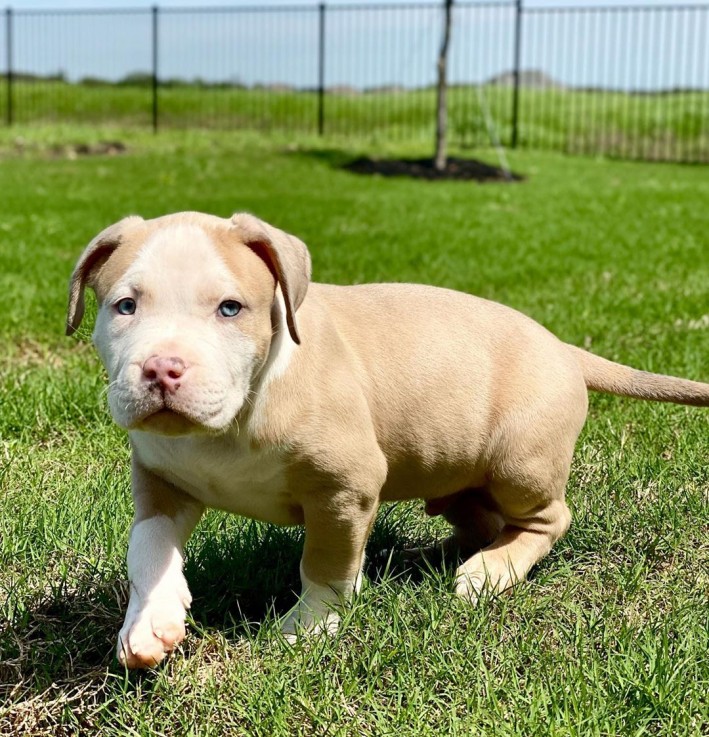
611 633
655 126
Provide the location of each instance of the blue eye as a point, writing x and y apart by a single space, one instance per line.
125 306
229 308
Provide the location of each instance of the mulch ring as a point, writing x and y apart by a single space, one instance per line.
461 169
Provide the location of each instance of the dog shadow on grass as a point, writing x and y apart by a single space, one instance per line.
62 641
239 579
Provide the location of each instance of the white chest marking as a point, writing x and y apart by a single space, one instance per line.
222 472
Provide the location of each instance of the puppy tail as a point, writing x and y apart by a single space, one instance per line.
606 376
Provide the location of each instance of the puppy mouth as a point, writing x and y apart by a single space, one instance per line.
165 416
137 407
167 421
165 412
159 412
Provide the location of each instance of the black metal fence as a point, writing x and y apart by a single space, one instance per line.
630 81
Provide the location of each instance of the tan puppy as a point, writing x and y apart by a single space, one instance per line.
240 393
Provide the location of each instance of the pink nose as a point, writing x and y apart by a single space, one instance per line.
165 372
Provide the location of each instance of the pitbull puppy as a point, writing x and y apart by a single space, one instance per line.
240 392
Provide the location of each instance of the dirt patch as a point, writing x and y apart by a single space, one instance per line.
460 169
21 146
101 148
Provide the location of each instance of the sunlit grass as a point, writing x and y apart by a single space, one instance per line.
609 636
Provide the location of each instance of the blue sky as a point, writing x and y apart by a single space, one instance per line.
366 48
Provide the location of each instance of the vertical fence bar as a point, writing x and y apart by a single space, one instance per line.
669 152
683 135
606 144
9 75
586 93
644 118
515 91
704 82
640 96
657 85
321 69
699 153
593 141
155 111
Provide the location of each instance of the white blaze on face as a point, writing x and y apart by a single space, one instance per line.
178 281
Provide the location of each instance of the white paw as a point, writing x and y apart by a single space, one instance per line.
152 631
318 607
303 621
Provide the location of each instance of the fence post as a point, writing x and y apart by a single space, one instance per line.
515 92
155 67
321 69
9 75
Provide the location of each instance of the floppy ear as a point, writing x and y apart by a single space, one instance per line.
96 253
285 255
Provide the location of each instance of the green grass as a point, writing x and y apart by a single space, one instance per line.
610 634
656 126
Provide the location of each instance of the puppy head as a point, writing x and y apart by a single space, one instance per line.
187 306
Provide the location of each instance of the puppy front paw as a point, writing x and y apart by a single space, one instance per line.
303 621
152 632
318 608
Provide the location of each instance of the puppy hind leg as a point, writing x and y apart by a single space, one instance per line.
529 473
523 541
475 519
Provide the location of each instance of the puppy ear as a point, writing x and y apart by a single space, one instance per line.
95 254
285 255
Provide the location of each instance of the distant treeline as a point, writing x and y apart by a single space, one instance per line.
528 79
134 79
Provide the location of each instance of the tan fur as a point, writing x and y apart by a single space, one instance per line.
368 394
613 378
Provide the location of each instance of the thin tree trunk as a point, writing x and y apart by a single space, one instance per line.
441 109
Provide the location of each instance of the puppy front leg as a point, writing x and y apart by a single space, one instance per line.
159 596
331 568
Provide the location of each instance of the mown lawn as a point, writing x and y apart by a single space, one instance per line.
611 633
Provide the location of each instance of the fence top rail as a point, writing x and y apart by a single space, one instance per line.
147 10
136 10
615 8
425 6
311 7
79 11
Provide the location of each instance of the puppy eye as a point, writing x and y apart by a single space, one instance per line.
229 308
125 306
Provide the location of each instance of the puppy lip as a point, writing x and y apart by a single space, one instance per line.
165 412
169 420
150 411
166 421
